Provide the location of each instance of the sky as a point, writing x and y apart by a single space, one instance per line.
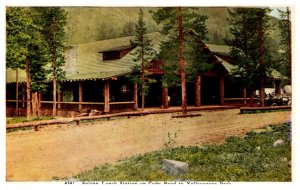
275 12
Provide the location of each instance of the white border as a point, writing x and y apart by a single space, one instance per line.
152 3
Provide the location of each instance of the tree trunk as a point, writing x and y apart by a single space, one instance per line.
261 59
277 87
198 91
262 93
164 97
106 97
53 51
39 104
245 35
17 91
135 96
143 75
181 63
34 104
80 95
221 90
244 96
23 96
251 96
58 99
54 92
28 113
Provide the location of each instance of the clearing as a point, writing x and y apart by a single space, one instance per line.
66 150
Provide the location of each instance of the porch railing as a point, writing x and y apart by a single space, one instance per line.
239 101
75 105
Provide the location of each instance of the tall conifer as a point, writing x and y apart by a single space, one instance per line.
285 42
181 52
26 48
249 28
54 20
143 55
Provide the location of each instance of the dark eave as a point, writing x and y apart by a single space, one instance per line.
119 48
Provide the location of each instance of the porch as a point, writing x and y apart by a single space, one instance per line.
118 94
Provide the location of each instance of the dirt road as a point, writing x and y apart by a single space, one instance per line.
66 150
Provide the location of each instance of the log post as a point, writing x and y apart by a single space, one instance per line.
80 95
222 90
198 91
251 96
23 96
277 87
40 99
58 99
164 98
244 93
17 91
34 104
39 103
28 94
106 96
135 96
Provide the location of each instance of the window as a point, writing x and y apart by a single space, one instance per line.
124 89
111 55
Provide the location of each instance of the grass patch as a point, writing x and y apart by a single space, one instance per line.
11 120
265 111
252 158
18 129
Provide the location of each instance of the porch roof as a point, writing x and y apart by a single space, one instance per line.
219 49
89 63
229 68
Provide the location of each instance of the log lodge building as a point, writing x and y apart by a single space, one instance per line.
96 78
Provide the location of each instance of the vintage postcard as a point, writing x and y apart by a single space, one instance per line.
149 95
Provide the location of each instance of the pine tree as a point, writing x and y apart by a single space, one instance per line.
26 49
177 22
143 55
54 20
12 57
285 42
249 28
181 61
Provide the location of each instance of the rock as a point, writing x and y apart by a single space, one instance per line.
259 130
278 143
269 128
72 179
173 167
95 112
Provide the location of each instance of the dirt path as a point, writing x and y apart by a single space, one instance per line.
66 150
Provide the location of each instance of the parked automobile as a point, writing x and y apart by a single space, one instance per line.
278 100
